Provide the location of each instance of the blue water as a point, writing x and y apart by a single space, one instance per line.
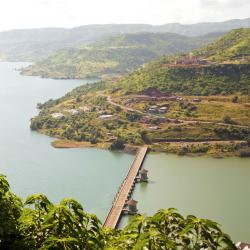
91 176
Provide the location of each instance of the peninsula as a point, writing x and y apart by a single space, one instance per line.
195 103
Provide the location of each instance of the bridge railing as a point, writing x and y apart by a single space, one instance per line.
118 193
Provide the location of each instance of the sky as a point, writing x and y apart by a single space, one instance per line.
16 14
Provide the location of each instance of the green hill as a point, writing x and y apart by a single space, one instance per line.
156 105
37 44
234 45
114 56
221 67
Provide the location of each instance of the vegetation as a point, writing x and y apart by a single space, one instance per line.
114 56
118 144
39 224
206 80
225 73
201 104
100 122
233 46
36 44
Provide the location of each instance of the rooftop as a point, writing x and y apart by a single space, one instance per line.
132 202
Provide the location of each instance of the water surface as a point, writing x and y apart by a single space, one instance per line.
91 176
216 189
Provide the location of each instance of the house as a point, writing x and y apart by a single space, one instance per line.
152 109
243 246
154 128
72 111
58 115
179 98
191 60
172 98
163 110
202 61
196 100
105 117
85 108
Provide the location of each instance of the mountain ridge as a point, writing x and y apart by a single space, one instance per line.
16 45
114 56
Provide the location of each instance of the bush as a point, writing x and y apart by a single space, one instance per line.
235 99
228 120
118 144
245 152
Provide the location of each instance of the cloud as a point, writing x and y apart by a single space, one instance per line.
59 2
224 3
70 13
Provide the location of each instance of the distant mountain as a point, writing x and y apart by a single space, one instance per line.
37 44
204 28
114 56
221 67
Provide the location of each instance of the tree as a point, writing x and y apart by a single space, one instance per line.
227 119
235 99
39 224
10 211
63 226
118 144
36 209
168 229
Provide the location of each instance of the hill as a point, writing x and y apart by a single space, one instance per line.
221 67
114 56
37 44
234 45
186 104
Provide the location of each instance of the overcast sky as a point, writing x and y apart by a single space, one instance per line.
15 14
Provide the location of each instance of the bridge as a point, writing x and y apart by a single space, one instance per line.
125 190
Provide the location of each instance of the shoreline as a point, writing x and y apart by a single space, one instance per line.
64 144
156 148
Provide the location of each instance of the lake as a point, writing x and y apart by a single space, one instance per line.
216 189
91 176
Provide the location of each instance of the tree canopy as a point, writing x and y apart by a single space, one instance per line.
39 224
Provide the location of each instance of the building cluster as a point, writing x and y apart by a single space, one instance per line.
155 109
60 115
191 60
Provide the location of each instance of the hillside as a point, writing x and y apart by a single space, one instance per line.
114 56
221 67
37 44
180 104
233 46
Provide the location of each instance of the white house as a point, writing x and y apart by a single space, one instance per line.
58 115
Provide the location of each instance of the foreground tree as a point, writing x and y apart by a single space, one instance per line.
40 225
10 211
63 226
167 229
